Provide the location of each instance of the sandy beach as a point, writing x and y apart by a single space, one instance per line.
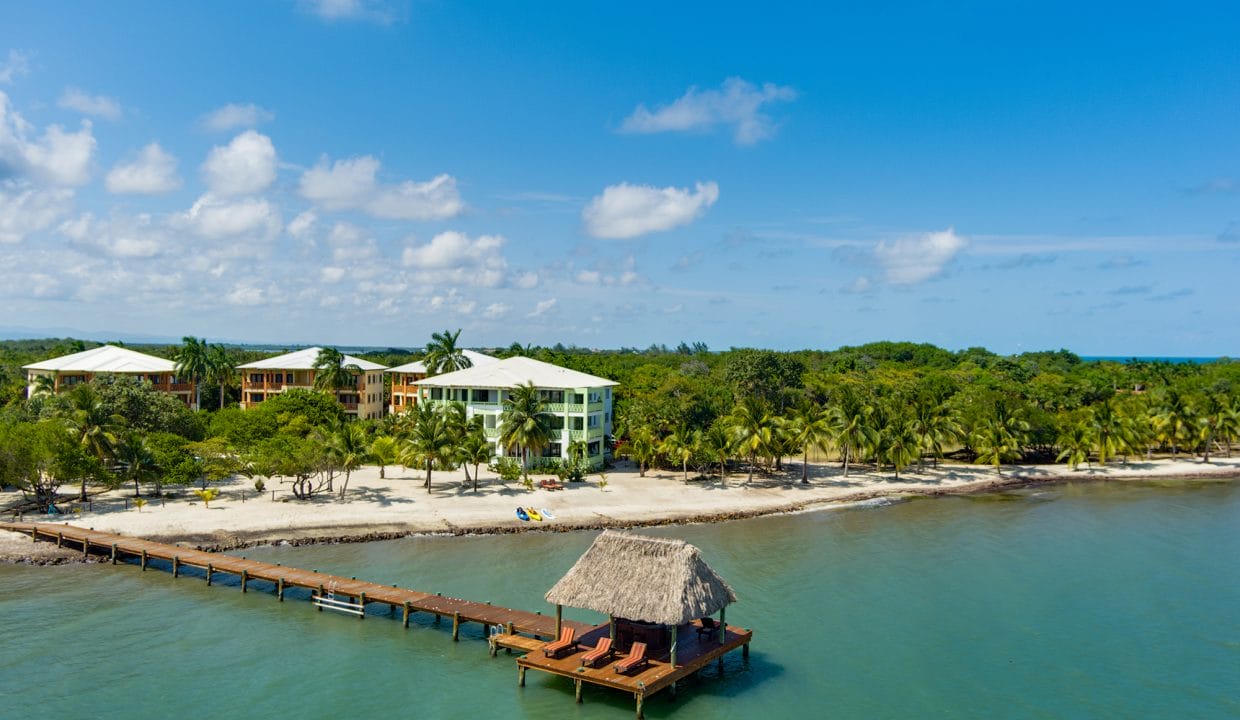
398 505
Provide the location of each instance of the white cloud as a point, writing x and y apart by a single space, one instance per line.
626 211
233 116
154 171
333 10
332 274
588 277
18 64
97 105
303 224
216 218
25 209
350 184
454 257
58 157
737 103
495 311
912 259
244 166
542 307
244 294
526 280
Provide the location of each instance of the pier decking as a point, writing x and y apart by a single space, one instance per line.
507 628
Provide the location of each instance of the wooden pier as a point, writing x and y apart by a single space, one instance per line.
506 628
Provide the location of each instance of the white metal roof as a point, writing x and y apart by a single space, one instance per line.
106 358
304 360
515 371
417 366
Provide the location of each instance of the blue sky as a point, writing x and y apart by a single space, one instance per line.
1020 176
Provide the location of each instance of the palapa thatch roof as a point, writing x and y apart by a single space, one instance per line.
643 578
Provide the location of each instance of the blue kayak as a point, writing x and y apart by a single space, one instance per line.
523 515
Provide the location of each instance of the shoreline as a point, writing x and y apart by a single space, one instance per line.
232 522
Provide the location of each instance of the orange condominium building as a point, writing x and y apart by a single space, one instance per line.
70 370
405 380
264 378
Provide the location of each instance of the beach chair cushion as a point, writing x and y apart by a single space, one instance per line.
601 652
637 658
566 643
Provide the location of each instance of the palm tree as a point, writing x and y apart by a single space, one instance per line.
476 449
348 450
193 360
222 370
682 444
93 426
1107 430
807 427
750 427
996 443
1174 419
430 441
642 447
901 444
524 424
43 385
1215 415
849 421
383 450
136 460
577 451
1076 440
332 373
935 424
717 445
442 354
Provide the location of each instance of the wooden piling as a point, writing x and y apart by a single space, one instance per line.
456 626
113 553
176 566
640 697
60 539
320 594
144 559
245 580
209 571
520 676
559 614
280 589
577 690
404 618
362 602
85 548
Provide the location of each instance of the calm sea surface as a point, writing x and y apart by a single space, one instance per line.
1091 601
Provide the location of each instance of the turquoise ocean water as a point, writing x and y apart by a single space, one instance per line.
1077 601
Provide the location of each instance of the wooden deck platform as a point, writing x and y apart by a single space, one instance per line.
693 653
506 628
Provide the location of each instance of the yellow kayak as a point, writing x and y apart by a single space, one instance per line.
533 514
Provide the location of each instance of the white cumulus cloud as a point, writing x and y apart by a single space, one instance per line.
17 64
736 103
57 158
233 116
495 311
214 217
350 184
626 211
25 209
87 104
154 171
244 166
913 259
542 307
454 257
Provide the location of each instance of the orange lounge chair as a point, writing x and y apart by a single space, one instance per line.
601 653
550 485
566 643
637 658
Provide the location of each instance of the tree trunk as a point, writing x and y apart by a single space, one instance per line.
82 494
752 459
382 468
846 454
685 466
137 491
221 396
345 486
805 466
428 476
476 476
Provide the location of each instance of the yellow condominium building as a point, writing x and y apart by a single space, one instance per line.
264 378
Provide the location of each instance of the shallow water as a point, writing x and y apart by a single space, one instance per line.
1096 600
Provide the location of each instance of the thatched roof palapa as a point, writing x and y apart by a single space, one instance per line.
643 578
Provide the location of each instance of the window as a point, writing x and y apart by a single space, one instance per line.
557 422
592 449
577 423
436 393
552 450
256 397
578 398
594 420
396 400
608 395
256 377
488 422
551 396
